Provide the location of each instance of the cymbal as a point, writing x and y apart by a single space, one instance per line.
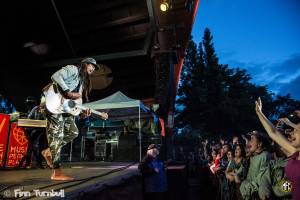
101 78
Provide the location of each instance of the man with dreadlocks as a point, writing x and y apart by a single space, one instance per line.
73 82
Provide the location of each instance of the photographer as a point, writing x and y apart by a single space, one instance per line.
154 176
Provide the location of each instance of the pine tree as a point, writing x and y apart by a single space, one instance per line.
216 99
185 85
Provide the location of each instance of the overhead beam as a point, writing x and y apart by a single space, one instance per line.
117 55
98 44
63 27
148 40
119 22
102 57
151 13
101 7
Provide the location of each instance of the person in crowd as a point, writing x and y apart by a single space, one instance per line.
251 187
154 175
229 168
205 147
216 156
213 157
222 141
72 82
237 168
276 177
235 141
221 161
224 160
291 146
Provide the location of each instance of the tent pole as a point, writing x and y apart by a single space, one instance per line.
140 134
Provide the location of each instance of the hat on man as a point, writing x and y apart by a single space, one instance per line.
151 146
91 61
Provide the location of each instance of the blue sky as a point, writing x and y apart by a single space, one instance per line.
262 36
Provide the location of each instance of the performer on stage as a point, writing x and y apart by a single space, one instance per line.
72 82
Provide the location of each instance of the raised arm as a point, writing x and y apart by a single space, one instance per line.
272 131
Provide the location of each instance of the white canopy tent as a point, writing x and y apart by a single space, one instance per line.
119 106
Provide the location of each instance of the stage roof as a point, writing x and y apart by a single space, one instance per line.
128 36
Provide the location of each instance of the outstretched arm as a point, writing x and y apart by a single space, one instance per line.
272 131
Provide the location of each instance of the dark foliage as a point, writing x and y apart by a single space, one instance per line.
216 99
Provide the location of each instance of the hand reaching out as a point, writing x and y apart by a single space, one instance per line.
258 105
284 120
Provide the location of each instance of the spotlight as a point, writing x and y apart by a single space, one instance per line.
164 6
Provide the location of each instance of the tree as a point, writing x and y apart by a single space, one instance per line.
183 101
216 99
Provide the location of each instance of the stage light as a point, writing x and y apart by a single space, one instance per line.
164 6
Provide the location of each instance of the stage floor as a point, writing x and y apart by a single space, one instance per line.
89 176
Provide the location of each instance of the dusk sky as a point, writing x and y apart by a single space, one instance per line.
262 36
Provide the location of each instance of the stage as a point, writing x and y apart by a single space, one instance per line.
97 180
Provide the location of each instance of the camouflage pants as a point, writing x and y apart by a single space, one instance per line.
61 130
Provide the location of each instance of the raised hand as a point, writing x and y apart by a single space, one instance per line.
288 122
258 105
284 120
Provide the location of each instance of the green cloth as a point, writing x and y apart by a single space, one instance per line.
278 177
258 170
239 168
274 178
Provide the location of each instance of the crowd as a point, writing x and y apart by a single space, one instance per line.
257 165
